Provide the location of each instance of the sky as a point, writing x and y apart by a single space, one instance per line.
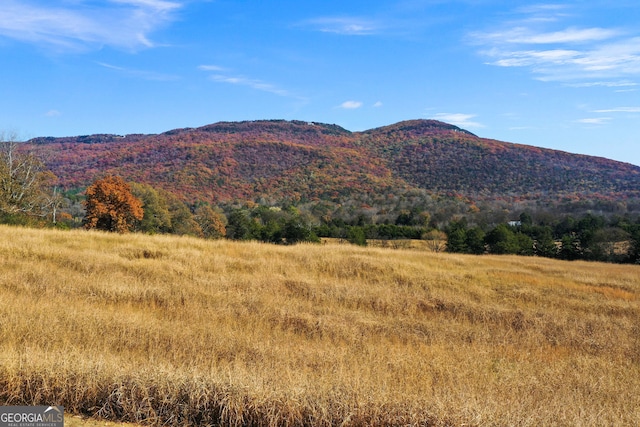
562 74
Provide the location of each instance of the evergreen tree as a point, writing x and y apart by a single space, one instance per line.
634 246
457 236
544 244
239 225
475 241
570 247
502 240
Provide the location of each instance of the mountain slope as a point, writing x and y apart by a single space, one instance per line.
448 159
276 160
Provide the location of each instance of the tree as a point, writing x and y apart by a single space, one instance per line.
404 218
502 240
239 225
570 247
607 244
156 217
525 244
525 219
634 243
111 206
297 228
211 222
457 236
544 244
436 240
24 181
266 224
356 236
183 222
475 241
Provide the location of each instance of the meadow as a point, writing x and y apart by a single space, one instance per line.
165 330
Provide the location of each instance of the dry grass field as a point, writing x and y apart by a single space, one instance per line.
162 330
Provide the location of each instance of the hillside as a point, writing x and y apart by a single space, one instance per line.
175 331
281 160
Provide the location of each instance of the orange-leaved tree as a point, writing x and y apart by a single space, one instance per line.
111 206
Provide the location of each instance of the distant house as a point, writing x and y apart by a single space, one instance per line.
515 223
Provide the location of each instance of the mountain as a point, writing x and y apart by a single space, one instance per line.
294 160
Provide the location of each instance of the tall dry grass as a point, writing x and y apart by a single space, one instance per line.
178 331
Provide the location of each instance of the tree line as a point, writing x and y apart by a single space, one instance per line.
589 237
28 196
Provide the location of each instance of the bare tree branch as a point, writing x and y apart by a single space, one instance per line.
23 179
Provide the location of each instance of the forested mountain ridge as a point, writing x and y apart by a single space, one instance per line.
299 161
448 159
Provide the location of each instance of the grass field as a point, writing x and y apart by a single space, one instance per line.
76 421
178 331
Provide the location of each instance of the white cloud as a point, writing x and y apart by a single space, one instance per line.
523 35
604 84
53 113
351 105
533 58
211 68
595 120
377 104
152 4
352 26
252 83
546 10
565 53
123 24
458 119
620 110
241 80
246 81
143 74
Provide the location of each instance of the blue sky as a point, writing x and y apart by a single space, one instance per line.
563 75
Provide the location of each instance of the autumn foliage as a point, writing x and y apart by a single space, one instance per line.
111 206
299 162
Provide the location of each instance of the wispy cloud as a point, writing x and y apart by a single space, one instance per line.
79 25
142 74
595 120
252 83
524 35
378 104
351 105
241 80
546 10
352 26
604 84
53 113
211 68
458 119
556 50
619 110
161 5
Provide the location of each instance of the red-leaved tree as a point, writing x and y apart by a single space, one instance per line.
111 206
